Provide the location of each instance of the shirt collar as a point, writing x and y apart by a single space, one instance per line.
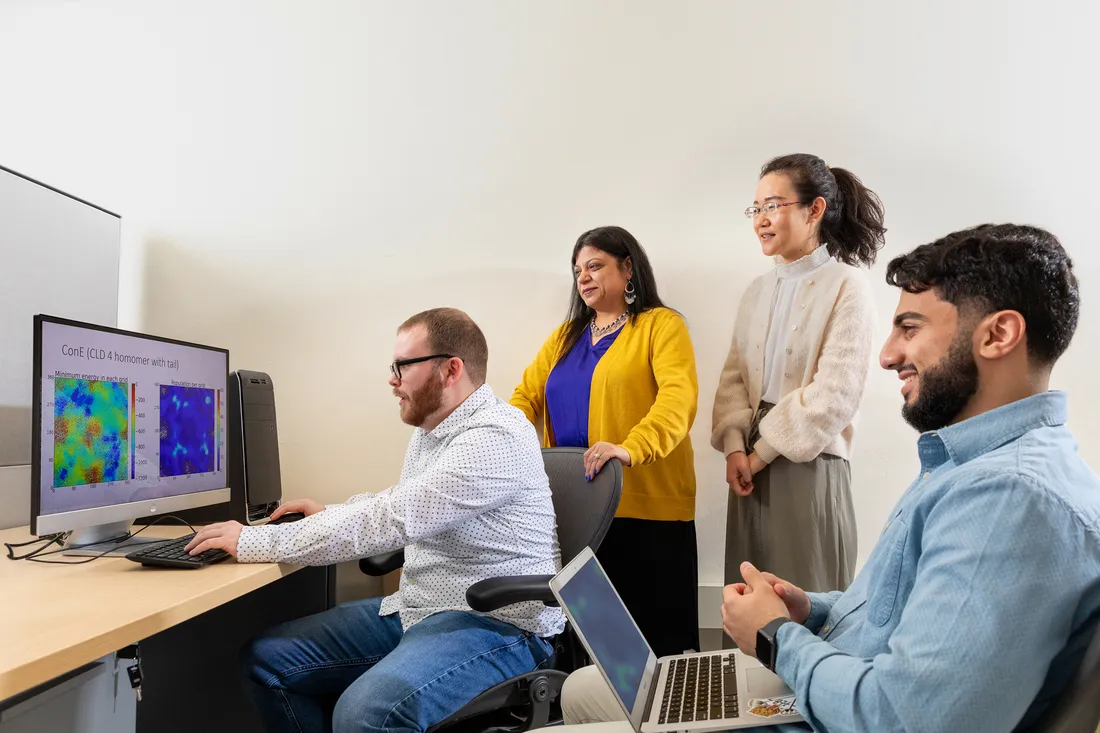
982 433
469 406
804 265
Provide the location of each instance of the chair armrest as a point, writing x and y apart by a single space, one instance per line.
494 593
378 565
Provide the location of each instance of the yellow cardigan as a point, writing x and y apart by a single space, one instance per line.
644 397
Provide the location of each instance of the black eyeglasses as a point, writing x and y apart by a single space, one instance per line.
395 367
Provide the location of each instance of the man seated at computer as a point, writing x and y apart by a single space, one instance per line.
976 605
473 502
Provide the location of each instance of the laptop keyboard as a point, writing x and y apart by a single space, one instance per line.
700 688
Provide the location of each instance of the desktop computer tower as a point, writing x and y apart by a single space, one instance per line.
254 476
252 450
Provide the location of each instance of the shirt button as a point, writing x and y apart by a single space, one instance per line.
787 375
927 474
788 351
794 328
803 305
810 282
826 630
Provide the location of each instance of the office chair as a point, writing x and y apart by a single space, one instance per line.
584 512
1077 709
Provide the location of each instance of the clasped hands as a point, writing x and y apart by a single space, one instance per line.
740 468
747 607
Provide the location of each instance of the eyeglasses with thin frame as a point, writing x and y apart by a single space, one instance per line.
395 367
769 208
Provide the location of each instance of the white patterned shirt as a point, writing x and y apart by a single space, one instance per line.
473 502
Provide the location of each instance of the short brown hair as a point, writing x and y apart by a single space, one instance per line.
450 331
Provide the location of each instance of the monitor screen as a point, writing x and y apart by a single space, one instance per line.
600 616
124 417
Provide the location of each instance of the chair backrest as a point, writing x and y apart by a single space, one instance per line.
1077 709
584 508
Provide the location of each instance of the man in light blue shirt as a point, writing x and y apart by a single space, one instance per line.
976 605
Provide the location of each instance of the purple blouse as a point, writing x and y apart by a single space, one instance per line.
569 388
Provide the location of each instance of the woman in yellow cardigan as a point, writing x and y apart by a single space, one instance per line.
618 378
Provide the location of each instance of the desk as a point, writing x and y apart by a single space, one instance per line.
56 618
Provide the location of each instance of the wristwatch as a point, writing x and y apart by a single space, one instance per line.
767 648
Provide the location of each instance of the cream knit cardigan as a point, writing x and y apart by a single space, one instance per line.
828 355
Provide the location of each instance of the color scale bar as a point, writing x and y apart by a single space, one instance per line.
218 429
133 428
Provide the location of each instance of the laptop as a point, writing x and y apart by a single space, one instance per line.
687 692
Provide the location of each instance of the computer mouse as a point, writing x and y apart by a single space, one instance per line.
288 517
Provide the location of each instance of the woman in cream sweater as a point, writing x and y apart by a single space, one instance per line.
618 378
794 377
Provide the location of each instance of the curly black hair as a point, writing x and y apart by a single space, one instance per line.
995 267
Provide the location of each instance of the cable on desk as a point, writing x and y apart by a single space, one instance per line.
48 539
34 555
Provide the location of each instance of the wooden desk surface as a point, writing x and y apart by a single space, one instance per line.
55 618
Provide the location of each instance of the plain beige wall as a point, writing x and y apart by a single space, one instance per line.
297 178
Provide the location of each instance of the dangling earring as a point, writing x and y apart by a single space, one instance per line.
630 295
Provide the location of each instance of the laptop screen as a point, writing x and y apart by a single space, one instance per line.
601 617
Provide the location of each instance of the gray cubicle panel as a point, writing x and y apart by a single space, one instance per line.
58 255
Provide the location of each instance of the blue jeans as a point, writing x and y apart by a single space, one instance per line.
348 669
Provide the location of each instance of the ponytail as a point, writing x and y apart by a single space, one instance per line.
851 226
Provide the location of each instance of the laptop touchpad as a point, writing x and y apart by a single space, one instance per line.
762 683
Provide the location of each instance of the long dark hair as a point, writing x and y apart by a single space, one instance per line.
852 224
620 244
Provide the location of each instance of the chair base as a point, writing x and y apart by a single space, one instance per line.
522 703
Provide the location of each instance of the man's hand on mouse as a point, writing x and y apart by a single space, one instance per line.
220 536
225 535
308 507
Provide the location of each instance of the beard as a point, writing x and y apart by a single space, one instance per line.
945 389
422 403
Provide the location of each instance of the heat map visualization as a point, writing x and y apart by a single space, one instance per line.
91 432
187 430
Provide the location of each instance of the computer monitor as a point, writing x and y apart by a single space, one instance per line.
125 425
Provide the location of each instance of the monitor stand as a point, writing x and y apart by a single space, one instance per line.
106 540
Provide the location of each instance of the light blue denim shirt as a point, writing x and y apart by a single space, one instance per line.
979 599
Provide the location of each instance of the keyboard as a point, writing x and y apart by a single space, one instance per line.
170 554
700 688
